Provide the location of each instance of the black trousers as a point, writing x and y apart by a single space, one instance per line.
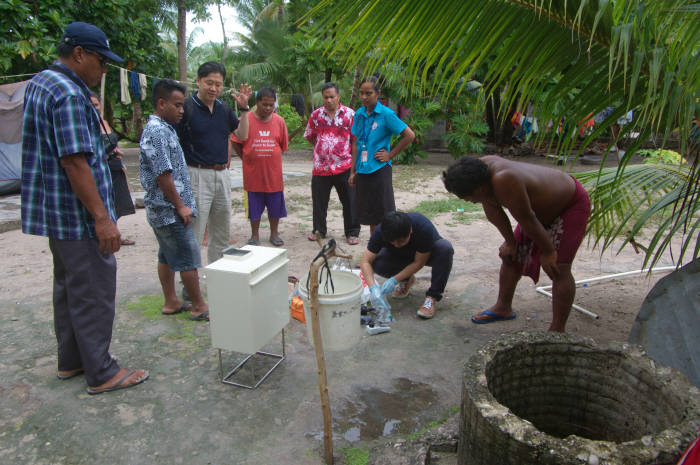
387 264
320 194
84 288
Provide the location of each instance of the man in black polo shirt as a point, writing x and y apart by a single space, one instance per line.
204 132
400 246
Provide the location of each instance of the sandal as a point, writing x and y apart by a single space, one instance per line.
312 236
353 240
204 316
276 241
128 242
253 241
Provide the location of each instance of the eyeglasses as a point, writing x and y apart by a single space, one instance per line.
103 60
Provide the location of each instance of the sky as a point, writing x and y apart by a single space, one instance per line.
212 28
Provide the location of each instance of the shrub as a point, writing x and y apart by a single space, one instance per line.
291 117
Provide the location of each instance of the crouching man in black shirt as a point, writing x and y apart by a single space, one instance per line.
400 246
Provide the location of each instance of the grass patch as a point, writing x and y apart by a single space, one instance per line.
431 208
450 412
296 202
299 143
148 305
410 177
184 331
295 181
356 456
467 217
237 201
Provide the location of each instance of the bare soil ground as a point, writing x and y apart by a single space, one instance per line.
474 275
386 388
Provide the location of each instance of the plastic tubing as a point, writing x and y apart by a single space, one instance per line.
544 290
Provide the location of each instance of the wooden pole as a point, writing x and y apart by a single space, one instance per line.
320 357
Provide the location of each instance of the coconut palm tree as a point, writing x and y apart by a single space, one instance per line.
571 59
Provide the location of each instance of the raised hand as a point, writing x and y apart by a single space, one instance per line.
243 96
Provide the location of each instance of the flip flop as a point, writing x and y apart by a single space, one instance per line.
183 307
79 371
276 241
128 242
201 317
353 240
72 375
492 317
312 236
253 241
118 385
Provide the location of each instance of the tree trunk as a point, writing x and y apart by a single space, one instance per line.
500 128
138 119
182 41
355 88
329 75
223 32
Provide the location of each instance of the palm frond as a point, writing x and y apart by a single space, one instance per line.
570 58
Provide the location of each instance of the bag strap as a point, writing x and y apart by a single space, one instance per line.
59 69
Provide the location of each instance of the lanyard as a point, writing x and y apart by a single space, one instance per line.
365 130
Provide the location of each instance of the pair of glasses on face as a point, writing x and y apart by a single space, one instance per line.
103 60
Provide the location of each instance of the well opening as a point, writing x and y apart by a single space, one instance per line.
534 398
566 389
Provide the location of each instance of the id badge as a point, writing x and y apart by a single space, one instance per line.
364 156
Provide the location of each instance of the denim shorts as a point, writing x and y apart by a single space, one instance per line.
178 247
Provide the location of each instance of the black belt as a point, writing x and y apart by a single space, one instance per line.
217 167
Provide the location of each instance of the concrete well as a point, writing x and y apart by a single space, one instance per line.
544 398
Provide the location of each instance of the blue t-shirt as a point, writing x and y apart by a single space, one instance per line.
206 143
373 133
423 237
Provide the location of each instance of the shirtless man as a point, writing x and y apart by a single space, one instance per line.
552 211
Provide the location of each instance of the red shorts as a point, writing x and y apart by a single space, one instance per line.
566 232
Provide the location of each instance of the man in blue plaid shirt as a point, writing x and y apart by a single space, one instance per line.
67 196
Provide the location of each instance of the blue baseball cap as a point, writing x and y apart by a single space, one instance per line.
90 37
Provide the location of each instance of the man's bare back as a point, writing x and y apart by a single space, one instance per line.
549 190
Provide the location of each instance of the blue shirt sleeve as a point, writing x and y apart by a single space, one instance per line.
71 127
395 125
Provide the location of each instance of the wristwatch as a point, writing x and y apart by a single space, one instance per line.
243 109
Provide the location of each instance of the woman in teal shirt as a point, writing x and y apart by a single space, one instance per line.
370 173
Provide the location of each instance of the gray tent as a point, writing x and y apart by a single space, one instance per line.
11 111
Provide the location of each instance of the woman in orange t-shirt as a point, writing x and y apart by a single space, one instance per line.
262 166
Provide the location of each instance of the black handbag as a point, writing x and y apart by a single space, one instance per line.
108 140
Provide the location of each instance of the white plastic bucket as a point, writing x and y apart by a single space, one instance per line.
339 311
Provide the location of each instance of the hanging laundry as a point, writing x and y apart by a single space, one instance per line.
142 85
124 85
134 85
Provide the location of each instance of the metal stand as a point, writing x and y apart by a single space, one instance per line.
225 379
